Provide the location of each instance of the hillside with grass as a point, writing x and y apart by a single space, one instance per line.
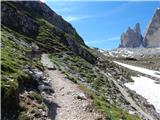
30 29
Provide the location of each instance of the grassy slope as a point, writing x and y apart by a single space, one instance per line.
14 59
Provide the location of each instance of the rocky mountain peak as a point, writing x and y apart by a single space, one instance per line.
152 34
132 37
137 28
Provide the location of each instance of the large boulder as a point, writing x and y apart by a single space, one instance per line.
152 35
132 38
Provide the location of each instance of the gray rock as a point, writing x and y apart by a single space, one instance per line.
19 22
152 34
47 89
38 114
81 96
132 38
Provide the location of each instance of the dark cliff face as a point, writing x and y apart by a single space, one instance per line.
17 21
132 38
152 35
23 17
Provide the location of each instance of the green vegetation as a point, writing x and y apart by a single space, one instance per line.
24 116
51 39
36 96
79 66
46 39
14 48
111 112
75 35
11 63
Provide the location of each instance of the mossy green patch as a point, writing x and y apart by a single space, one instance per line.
36 96
13 56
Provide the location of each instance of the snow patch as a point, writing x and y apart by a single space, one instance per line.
141 70
147 88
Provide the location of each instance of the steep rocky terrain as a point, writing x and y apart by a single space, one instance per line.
132 38
28 86
152 35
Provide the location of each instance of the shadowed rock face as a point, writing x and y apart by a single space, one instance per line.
15 20
132 38
152 35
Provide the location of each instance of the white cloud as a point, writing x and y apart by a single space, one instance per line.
75 18
64 9
69 8
102 41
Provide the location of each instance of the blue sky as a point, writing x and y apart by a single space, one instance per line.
101 23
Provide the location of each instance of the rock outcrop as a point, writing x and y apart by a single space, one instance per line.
152 35
132 38
38 10
17 21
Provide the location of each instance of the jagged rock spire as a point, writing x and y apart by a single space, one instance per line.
137 28
132 38
152 34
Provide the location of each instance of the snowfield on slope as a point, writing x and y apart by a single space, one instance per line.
141 70
144 86
148 89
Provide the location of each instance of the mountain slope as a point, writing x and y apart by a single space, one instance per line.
30 29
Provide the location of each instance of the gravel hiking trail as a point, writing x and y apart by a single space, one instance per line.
70 103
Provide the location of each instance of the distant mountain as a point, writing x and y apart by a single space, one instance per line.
152 35
134 39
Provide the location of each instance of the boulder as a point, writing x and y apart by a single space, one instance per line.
81 96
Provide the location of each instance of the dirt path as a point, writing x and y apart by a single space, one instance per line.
69 106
